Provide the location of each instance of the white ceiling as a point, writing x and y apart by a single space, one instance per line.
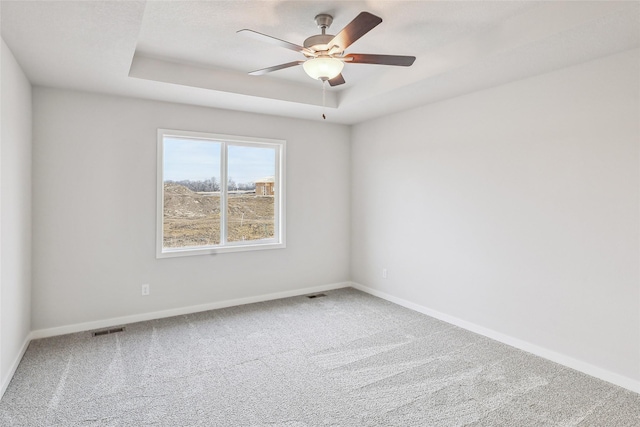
189 52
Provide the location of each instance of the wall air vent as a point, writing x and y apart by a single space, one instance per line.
108 331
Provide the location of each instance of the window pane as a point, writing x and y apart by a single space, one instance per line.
191 213
251 190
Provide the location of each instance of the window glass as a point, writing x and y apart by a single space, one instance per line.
251 199
191 193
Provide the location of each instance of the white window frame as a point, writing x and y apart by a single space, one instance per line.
277 242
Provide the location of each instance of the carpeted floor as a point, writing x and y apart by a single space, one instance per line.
347 359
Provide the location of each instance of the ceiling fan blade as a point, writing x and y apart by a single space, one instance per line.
361 25
275 68
364 58
282 43
337 80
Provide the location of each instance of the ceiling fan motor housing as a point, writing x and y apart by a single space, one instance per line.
319 42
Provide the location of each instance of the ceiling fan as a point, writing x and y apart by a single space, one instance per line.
324 53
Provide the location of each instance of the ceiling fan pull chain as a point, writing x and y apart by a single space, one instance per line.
324 89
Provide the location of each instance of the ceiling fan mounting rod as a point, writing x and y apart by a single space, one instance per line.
323 21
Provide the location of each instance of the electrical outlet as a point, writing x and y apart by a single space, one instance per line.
384 273
145 289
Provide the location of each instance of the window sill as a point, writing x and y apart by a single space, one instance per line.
215 250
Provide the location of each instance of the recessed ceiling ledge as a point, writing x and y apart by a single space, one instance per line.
217 79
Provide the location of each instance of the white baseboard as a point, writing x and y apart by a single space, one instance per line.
116 321
12 370
570 362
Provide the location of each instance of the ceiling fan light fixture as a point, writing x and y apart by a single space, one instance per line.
323 67
324 53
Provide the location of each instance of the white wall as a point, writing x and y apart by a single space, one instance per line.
15 214
515 209
95 198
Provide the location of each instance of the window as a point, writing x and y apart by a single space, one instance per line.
218 193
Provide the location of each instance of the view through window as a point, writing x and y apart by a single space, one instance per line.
199 214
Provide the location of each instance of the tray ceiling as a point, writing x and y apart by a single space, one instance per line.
189 52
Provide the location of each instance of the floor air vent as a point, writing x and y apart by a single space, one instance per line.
316 296
108 331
